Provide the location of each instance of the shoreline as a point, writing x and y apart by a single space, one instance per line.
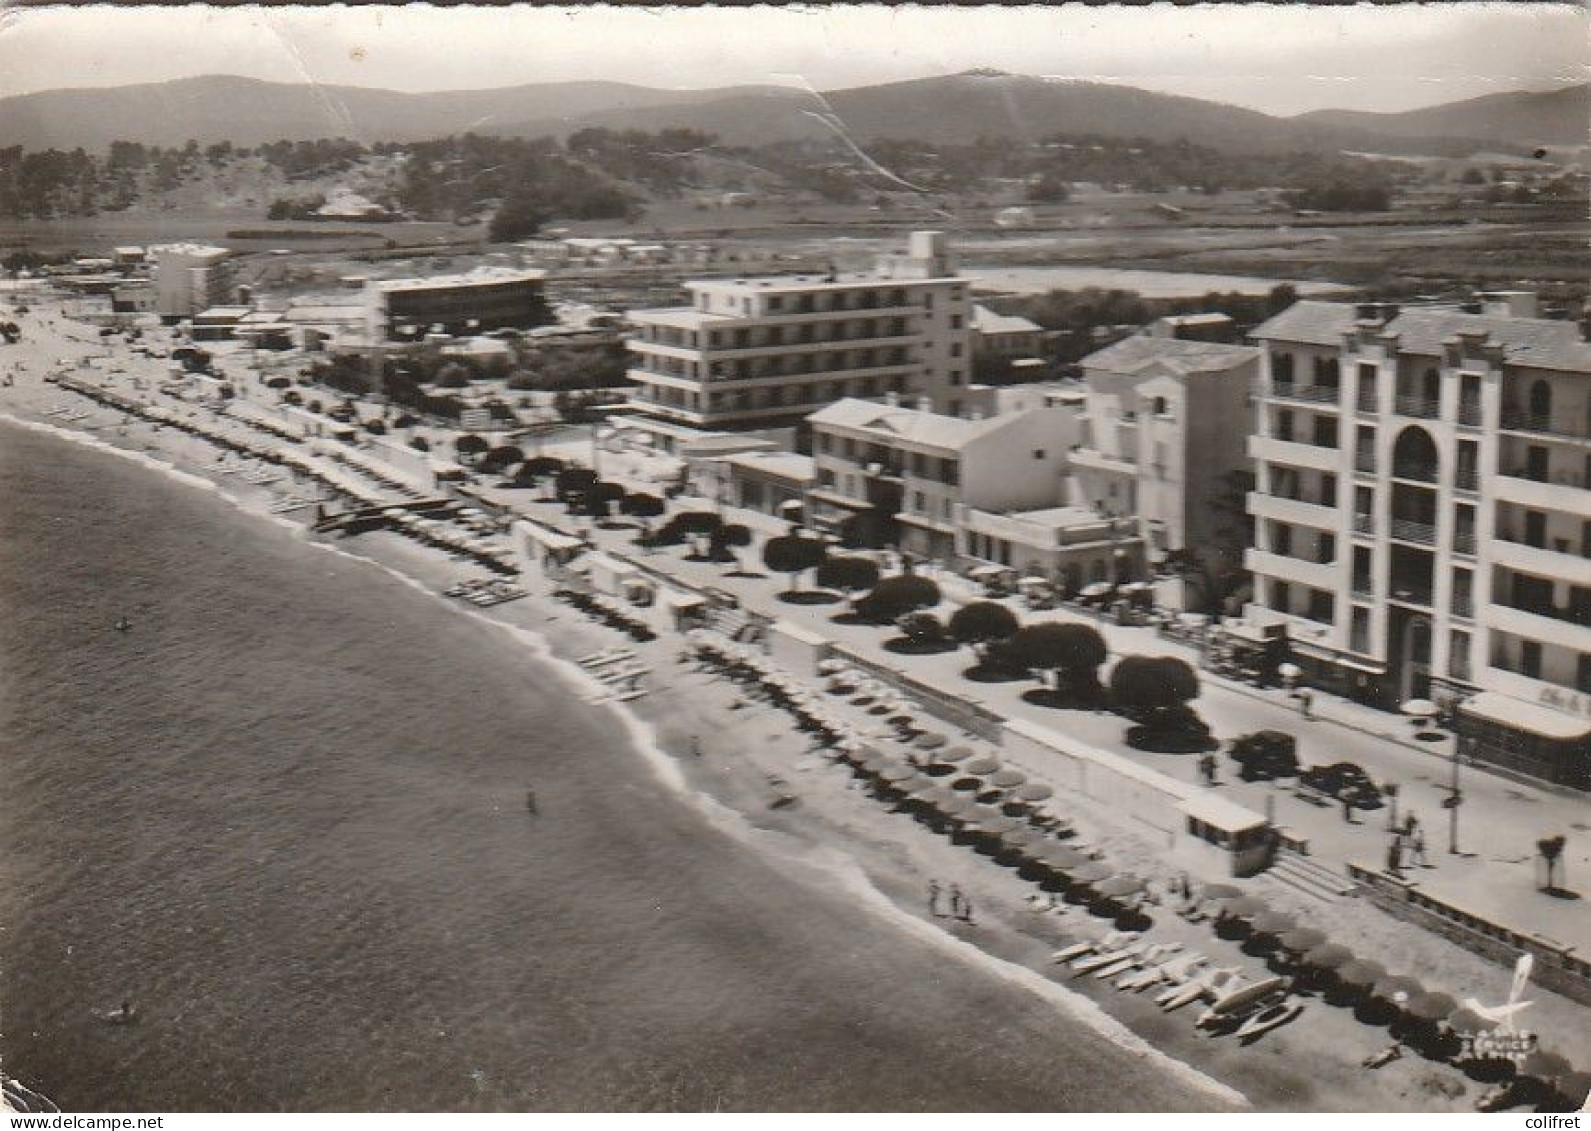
880 866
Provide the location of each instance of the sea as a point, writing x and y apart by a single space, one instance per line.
284 815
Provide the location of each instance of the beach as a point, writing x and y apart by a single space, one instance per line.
320 837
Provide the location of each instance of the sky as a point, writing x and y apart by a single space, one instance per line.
1281 60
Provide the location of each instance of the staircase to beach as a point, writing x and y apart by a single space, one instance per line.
1301 874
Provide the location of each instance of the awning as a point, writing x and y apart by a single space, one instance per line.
1504 710
551 539
977 573
1221 813
683 600
1342 659
838 500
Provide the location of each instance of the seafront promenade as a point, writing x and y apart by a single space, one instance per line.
1229 710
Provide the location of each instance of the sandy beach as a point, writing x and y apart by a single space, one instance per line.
736 757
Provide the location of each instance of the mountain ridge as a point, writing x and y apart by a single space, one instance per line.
946 109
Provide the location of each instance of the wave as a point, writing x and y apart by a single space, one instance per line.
824 865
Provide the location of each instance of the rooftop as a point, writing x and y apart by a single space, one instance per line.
930 429
1059 518
786 465
198 250
1544 343
480 277
986 321
836 280
1132 354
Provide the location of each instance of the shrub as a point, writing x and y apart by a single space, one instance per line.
724 541
470 444
794 555
848 573
895 597
1072 652
981 624
922 628
1148 687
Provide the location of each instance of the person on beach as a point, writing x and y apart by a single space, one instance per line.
1347 810
1395 856
933 899
1305 701
530 802
966 909
696 745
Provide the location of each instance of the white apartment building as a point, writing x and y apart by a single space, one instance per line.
1165 428
188 278
763 353
902 475
1423 514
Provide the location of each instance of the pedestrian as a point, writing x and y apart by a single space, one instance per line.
933 899
530 802
1417 849
1410 823
956 902
1395 856
1347 809
1305 701
966 910
696 745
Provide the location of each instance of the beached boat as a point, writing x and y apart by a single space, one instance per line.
1272 1016
1154 954
1211 983
1093 962
1078 949
1241 1002
1178 971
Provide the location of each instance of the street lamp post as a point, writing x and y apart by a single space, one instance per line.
1455 798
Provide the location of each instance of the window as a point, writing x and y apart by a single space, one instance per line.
1281 597
1158 406
1458 655
955 349
1325 432
825 477
1328 490
1321 606
948 472
1463 590
775 302
919 504
1284 424
1326 549
955 321
1281 538
1359 631
1582 674
1038 453
825 442
955 377
1530 659
1282 368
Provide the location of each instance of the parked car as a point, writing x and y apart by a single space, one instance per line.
1344 781
1265 755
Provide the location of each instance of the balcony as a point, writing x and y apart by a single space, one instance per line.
1298 511
1362 589
1467 479
1414 472
1469 414
1517 487
1099 461
1364 524
1464 544
1366 403
1292 453
1541 424
1411 592
1309 394
1407 530
1317 575
1364 461
1554 626
1463 607
1540 561
785 349
1417 407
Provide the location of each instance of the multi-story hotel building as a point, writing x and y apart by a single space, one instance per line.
485 299
1423 516
1163 441
763 353
188 278
902 475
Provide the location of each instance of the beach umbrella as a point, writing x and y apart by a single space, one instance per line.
1219 891
1243 907
998 825
1431 1007
953 804
1273 923
1539 1064
1361 973
897 773
1007 778
1119 885
1391 986
1021 837
929 741
982 815
914 785
1328 956
1034 791
954 754
1575 1088
1419 708
1092 872
830 667
1064 859
1300 939
984 765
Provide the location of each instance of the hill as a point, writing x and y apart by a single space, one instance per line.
1520 118
248 112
